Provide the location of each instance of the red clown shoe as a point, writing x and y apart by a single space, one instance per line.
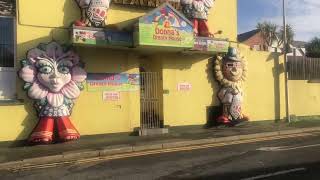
43 132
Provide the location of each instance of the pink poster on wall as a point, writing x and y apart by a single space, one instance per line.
111 96
184 86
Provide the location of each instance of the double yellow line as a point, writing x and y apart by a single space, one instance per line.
160 151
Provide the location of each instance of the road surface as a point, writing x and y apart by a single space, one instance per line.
293 158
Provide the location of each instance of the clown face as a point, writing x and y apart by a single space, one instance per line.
232 70
97 12
54 75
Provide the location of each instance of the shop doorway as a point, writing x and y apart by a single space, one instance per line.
151 111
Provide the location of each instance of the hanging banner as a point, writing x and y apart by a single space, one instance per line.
113 82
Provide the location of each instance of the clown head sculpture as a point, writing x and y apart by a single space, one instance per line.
197 11
53 78
230 72
93 12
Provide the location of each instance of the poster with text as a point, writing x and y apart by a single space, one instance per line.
113 82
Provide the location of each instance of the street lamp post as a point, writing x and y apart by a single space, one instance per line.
285 61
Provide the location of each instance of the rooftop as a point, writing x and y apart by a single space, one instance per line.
245 36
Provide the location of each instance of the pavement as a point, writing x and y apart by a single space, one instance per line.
18 154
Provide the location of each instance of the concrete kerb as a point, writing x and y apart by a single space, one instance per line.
310 129
75 155
8 165
122 149
259 135
147 147
118 149
43 160
293 131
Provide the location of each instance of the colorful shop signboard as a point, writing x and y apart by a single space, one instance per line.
113 82
210 45
164 27
101 37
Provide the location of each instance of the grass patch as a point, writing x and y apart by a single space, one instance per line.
304 121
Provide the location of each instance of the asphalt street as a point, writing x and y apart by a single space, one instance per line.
293 158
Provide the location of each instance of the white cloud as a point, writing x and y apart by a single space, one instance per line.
303 15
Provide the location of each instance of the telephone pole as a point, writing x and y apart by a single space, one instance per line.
285 60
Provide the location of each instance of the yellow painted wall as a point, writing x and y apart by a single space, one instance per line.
91 115
304 98
223 16
263 95
189 107
264 88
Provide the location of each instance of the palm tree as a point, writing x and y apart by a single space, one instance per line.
268 32
290 35
313 48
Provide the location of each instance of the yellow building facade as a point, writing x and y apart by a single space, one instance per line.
48 20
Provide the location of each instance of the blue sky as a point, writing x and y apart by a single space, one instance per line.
303 15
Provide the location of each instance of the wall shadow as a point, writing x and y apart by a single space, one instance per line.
277 70
215 109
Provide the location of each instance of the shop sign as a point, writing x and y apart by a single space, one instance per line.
184 86
210 45
113 82
102 37
111 96
166 27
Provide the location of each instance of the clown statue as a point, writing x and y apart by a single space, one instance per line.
93 12
230 72
53 78
197 11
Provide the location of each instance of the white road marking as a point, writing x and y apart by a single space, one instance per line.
285 148
275 174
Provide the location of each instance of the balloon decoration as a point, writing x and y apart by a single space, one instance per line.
93 12
197 11
231 72
53 77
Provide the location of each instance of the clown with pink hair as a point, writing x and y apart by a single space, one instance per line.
53 78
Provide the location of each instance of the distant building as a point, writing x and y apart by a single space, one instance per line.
254 40
298 48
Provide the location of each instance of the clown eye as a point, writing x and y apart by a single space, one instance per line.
229 64
45 69
63 69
